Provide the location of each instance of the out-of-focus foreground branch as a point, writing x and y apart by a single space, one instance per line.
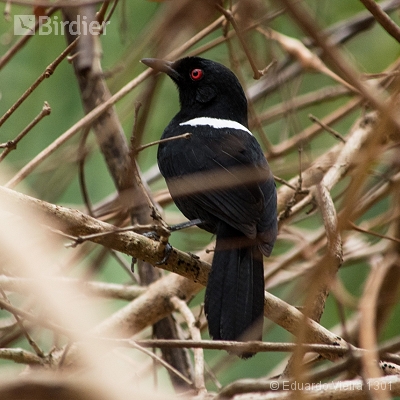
324 108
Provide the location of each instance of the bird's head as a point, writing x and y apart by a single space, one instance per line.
206 88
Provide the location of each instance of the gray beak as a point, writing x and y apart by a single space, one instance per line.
162 66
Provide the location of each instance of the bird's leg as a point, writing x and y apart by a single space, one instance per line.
187 224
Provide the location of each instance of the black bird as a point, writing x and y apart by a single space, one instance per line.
220 176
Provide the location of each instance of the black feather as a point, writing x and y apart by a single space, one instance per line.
220 176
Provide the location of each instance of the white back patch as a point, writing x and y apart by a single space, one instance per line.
216 123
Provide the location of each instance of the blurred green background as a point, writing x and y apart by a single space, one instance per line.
57 180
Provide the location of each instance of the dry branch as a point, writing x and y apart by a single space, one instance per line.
349 190
151 306
340 390
101 289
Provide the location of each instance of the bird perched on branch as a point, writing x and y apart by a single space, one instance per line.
218 174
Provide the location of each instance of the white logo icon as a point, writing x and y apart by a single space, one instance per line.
24 24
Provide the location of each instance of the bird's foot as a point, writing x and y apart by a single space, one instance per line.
164 244
163 235
167 253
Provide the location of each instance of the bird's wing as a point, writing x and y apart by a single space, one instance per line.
219 172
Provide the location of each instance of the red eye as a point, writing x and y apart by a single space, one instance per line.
196 74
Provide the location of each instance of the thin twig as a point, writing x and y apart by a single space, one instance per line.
368 307
12 144
46 74
162 230
94 288
246 346
334 133
160 361
38 320
302 101
81 165
306 58
358 229
382 18
21 356
7 11
133 228
183 308
24 39
32 343
60 3
156 142
230 17
283 182
312 131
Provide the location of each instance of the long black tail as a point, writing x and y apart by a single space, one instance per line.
234 300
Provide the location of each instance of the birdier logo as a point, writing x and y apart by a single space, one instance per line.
25 25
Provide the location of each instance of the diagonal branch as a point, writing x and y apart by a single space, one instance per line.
152 305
